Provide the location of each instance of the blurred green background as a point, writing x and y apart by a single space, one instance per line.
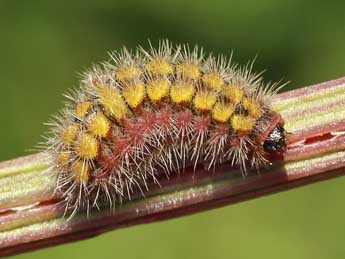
43 44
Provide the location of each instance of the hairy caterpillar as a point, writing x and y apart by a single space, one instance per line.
147 112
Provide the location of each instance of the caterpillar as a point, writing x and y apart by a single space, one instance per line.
148 112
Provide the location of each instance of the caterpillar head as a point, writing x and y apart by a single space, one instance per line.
276 140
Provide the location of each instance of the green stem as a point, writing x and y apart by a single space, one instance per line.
315 117
23 181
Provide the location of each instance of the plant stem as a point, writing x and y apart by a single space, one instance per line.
315 116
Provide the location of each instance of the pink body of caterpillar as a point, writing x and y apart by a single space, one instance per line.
151 111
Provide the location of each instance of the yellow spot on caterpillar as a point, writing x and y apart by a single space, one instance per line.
182 92
159 67
213 81
64 159
69 134
87 146
222 111
112 101
233 92
134 94
99 125
242 124
81 172
127 73
253 107
82 109
204 100
158 89
188 71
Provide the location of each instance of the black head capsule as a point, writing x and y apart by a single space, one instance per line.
276 141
